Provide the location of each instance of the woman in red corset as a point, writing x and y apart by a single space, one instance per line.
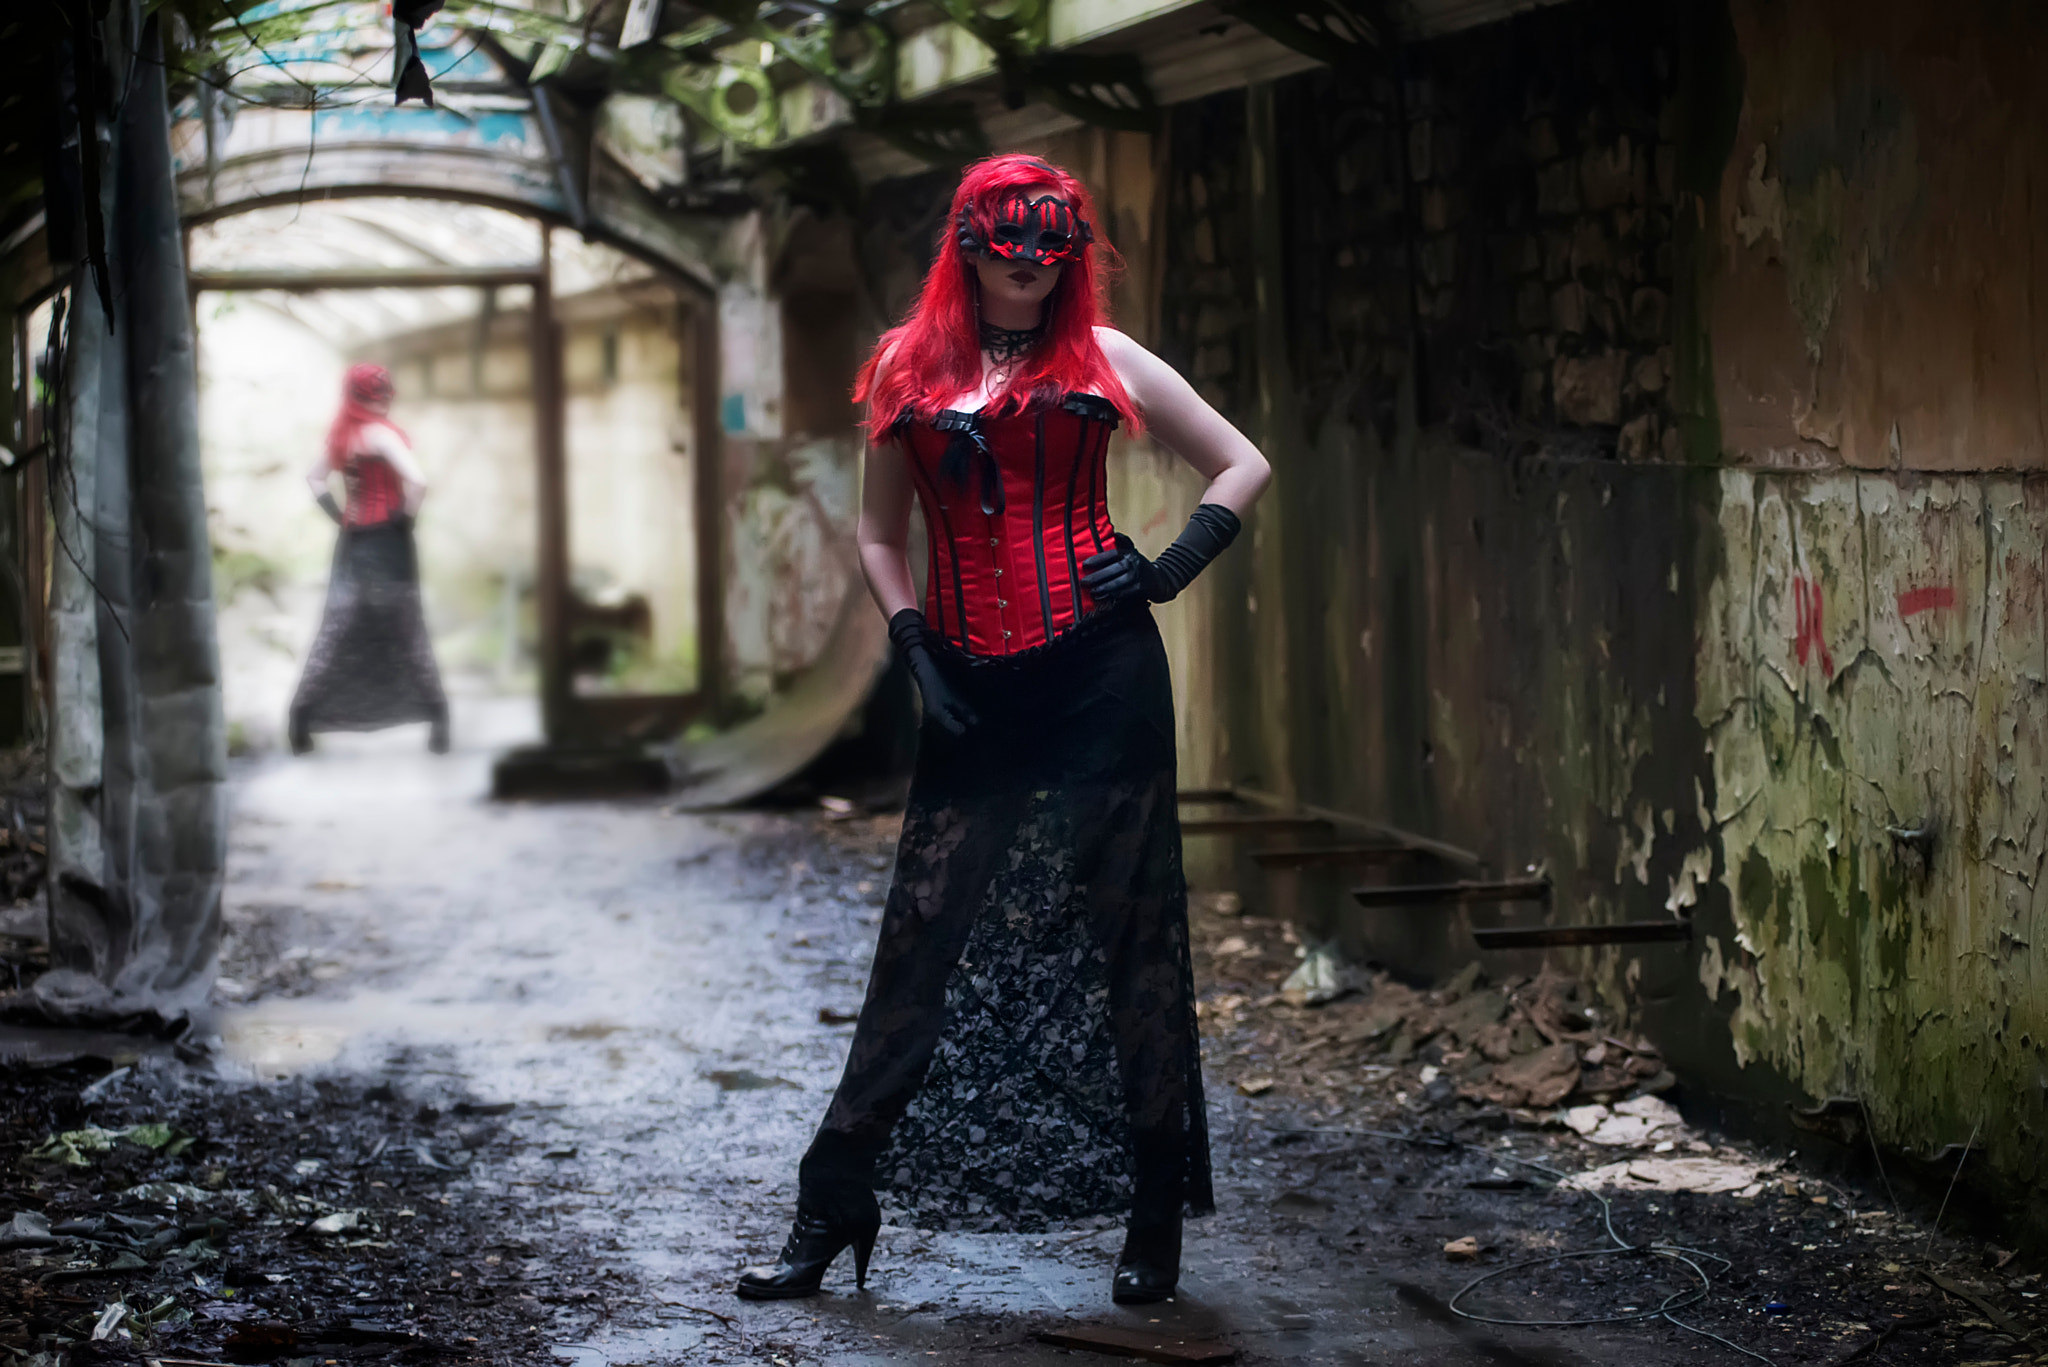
372 664
1027 1051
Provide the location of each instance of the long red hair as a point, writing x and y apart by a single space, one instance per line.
365 388
935 353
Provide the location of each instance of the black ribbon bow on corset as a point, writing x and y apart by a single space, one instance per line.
969 448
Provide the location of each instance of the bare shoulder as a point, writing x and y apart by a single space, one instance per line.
885 357
1116 345
383 439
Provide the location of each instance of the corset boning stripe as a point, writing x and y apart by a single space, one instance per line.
1038 522
1073 487
1096 500
944 530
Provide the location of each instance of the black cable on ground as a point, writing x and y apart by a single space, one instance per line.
1677 1300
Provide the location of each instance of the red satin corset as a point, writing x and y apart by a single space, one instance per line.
1013 505
375 493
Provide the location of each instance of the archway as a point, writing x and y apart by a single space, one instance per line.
518 284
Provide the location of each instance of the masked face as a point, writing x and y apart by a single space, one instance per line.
1040 231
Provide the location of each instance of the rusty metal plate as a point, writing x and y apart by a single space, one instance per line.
1148 1344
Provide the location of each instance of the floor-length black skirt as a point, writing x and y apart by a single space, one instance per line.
372 664
1029 1025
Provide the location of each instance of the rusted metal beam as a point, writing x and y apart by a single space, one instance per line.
394 278
1254 823
707 492
1334 857
1617 933
1365 826
1437 894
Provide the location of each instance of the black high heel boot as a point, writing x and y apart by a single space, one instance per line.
1148 1269
814 1241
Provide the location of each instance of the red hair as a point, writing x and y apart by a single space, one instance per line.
365 384
935 354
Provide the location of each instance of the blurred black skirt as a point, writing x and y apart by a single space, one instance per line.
372 664
1029 1030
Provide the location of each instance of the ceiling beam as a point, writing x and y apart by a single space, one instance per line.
394 278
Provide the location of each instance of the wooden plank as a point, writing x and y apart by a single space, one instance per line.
1619 933
1434 894
1201 795
1152 1345
1333 856
1254 823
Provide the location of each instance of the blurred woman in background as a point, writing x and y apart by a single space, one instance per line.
372 665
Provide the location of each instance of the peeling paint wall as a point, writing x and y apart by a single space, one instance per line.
1872 660
1872 647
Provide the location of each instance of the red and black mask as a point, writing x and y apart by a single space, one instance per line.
1042 232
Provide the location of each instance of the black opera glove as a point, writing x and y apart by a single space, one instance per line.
1113 576
909 631
330 507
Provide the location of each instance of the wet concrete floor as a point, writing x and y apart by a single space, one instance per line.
644 987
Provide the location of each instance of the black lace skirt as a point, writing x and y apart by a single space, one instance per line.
372 664
1028 1041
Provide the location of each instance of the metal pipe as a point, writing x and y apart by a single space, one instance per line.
1435 894
1543 937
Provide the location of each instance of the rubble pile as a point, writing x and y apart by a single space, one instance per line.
1527 1046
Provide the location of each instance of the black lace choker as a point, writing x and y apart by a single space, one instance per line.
1007 344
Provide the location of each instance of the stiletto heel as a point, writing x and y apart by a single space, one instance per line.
814 1241
863 1248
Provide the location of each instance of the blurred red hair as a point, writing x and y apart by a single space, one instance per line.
364 389
935 353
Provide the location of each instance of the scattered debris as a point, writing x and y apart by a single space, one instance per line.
2005 1322
1635 1123
78 1148
340 1222
1256 1086
1536 1081
27 1230
828 1016
1322 978
1674 1174
1465 1250
747 1080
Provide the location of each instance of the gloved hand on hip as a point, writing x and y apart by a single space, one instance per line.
1114 576
942 704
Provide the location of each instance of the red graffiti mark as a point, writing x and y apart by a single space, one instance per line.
1806 612
1158 521
1926 600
